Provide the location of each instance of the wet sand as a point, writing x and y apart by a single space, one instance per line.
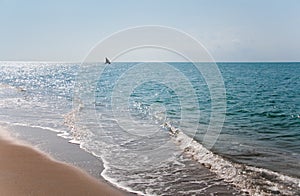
28 171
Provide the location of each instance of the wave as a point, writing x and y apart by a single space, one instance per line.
248 179
255 181
70 121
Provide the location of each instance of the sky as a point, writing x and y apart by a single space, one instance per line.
231 30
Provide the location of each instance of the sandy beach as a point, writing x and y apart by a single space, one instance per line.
28 171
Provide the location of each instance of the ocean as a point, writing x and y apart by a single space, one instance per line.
153 124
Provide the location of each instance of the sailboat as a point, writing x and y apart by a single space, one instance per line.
107 61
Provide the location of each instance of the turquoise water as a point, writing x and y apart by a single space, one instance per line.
263 115
259 141
262 125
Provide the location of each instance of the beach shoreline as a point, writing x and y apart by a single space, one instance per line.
26 170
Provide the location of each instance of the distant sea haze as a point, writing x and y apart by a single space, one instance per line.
259 142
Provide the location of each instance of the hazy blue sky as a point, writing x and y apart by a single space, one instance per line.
232 30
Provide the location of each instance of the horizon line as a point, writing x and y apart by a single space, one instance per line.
37 61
